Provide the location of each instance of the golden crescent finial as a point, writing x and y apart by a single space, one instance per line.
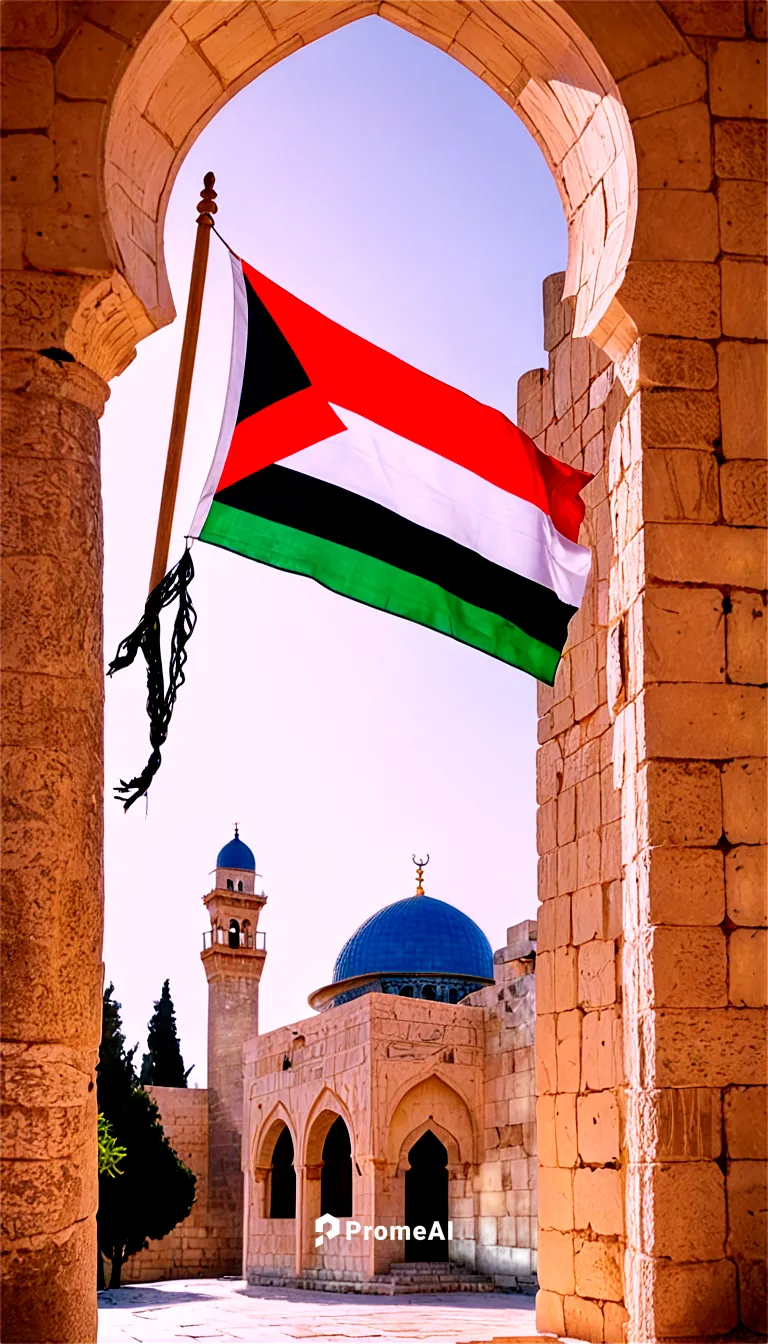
420 866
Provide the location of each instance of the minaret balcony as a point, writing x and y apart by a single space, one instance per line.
236 941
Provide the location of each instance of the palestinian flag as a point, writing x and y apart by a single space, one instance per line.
341 462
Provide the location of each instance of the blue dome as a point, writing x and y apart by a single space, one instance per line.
419 935
236 855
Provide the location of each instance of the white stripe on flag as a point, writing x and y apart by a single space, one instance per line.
438 494
232 400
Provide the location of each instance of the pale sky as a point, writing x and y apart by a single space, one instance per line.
383 183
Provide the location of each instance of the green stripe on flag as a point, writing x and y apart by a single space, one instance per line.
377 584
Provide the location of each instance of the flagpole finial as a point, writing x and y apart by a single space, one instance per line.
206 206
420 866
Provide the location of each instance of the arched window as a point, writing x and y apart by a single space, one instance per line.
234 933
453 995
428 992
240 886
230 884
406 992
282 1190
336 1175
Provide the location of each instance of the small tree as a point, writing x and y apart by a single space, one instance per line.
154 1190
163 1064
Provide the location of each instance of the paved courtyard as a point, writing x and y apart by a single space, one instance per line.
221 1310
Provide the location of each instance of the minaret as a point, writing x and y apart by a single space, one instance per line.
233 956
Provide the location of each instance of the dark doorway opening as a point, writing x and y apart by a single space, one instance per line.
426 1197
336 1175
282 1198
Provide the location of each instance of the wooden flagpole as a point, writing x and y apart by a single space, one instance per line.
206 209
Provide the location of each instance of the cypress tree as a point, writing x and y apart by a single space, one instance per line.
163 1064
116 1075
153 1190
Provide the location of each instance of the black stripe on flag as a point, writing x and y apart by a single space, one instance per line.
329 511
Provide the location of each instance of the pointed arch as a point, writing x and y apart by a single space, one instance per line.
535 57
324 1111
448 1140
432 1103
268 1132
433 1069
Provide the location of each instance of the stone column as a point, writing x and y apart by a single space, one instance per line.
298 1263
53 691
307 1210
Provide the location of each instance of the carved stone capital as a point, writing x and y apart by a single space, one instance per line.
107 326
96 320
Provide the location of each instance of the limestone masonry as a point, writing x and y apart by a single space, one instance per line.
651 994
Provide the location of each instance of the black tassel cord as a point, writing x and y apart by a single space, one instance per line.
146 637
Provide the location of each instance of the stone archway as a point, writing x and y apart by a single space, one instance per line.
428 1106
431 1103
651 1038
327 1123
534 56
275 1147
270 1214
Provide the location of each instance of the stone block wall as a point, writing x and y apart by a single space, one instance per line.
187 1252
505 1232
569 410
651 830
272 1245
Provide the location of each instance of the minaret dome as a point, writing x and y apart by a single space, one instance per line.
236 866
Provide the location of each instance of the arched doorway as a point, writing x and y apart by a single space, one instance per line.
282 1188
336 1174
426 1197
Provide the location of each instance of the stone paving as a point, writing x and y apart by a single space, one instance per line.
222 1310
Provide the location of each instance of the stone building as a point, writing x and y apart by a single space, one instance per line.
406 1100
651 1027
411 1092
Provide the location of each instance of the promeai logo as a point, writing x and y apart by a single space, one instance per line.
330 1227
327 1226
